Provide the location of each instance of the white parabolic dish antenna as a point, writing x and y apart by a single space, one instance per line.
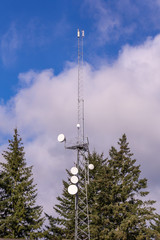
61 138
72 189
74 179
91 166
74 170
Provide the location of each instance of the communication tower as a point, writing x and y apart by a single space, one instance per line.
80 172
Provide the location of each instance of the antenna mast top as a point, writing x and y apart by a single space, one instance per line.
78 33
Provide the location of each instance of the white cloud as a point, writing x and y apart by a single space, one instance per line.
27 78
119 98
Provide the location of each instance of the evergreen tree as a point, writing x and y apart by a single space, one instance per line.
118 209
62 227
115 196
20 217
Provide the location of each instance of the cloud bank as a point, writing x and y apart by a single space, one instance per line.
119 98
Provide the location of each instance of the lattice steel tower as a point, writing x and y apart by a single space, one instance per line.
80 178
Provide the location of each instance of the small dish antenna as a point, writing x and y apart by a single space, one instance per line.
74 170
72 189
91 166
74 179
61 138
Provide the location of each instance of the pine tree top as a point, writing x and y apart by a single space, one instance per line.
19 215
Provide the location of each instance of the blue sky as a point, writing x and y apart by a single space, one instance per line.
38 75
42 34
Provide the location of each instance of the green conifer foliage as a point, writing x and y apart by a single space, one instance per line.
62 227
118 210
20 217
117 201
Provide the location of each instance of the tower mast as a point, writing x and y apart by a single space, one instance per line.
82 166
81 199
